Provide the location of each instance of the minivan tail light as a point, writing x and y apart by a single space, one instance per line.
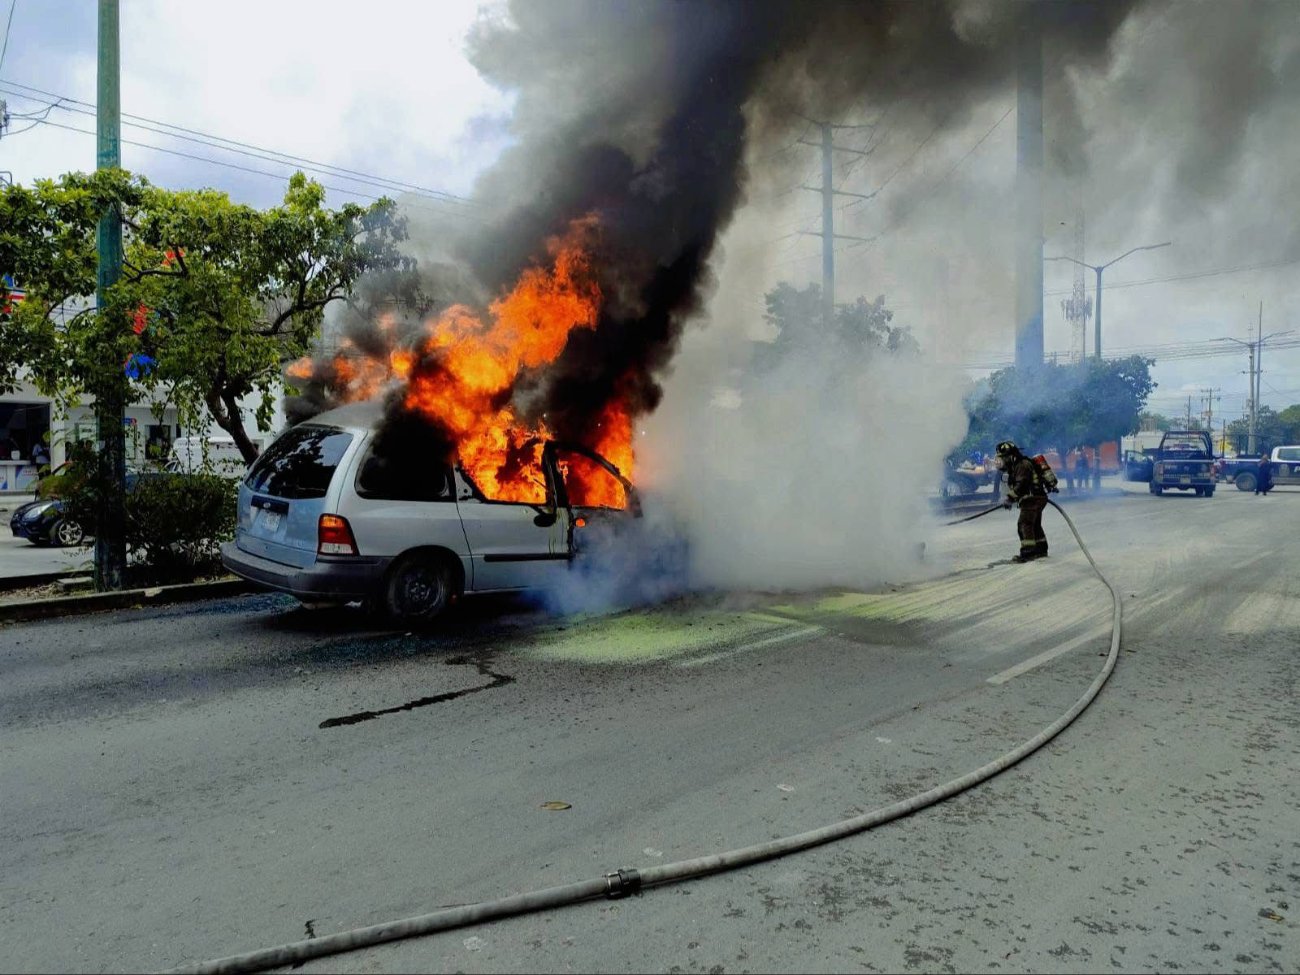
334 536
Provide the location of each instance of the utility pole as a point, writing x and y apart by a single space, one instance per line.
828 193
1189 414
828 228
110 404
1254 374
1250 402
1208 412
1029 189
1078 307
1259 375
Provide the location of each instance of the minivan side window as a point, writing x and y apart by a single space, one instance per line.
300 464
407 476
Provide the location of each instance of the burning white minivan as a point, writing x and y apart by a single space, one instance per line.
326 516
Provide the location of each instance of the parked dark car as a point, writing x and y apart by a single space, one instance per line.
45 521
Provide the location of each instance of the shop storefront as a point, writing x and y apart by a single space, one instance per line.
24 442
35 436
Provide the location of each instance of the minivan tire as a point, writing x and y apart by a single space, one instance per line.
418 588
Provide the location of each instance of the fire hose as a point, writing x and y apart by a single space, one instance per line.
627 880
997 507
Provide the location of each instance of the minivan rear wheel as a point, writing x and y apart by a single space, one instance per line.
418 589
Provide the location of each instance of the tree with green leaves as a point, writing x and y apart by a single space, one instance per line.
1154 421
1272 429
1290 422
1059 406
217 296
859 327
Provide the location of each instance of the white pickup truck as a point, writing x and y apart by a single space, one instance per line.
1284 463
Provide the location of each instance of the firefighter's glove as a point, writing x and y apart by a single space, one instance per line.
1008 503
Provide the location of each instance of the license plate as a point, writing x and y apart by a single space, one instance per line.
1185 479
270 520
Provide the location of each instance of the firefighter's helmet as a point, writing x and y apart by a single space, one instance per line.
1007 449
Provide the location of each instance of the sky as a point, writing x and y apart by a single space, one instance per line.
386 89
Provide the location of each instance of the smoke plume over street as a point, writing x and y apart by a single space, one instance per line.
672 134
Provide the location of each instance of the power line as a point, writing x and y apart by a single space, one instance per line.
906 213
235 146
1194 274
921 145
256 172
1170 352
9 25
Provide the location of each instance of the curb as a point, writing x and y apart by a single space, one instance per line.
37 609
8 583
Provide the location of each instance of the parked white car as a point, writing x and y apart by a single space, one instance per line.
215 454
325 517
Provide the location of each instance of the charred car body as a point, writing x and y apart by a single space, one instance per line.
1184 461
324 516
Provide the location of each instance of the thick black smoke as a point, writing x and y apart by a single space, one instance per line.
640 113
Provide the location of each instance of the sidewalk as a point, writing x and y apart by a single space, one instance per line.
19 557
29 575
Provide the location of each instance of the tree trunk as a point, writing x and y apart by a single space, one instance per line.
225 410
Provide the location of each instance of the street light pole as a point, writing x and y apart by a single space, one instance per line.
1096 475
1254 374
1099 268
1096 322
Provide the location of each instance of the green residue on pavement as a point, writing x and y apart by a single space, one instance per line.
646 635
891 606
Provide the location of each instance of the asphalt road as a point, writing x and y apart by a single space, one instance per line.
189 782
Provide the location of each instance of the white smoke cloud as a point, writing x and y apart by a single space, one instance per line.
819 476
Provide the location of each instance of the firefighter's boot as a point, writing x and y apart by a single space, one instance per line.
1040 550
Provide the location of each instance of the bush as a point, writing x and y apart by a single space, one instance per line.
175 523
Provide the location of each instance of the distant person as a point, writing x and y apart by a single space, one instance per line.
40 455
1264 476
1025 486
1081 471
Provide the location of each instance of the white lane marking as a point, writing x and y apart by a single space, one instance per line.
1046 655
757 644
1251 561
1104 630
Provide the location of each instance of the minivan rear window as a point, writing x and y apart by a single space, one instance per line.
301 463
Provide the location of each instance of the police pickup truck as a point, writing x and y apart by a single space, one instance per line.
1184 461
1284 464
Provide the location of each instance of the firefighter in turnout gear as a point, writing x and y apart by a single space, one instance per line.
1027 486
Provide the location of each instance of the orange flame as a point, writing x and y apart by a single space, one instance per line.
462 371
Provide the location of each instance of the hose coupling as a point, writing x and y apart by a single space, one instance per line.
621 883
